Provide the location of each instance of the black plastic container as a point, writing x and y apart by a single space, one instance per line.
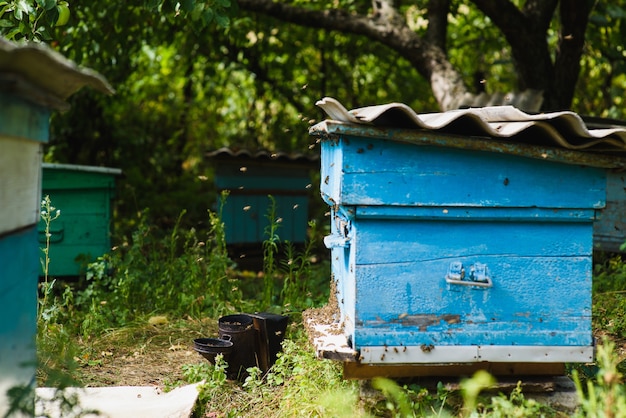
209 348
239 329
270 334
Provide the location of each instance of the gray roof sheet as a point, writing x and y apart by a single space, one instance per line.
561 129
230 153
44 76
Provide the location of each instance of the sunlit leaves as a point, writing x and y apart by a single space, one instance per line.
478 49
201 13
32 20
602 83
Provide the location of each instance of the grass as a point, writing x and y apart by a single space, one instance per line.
132 320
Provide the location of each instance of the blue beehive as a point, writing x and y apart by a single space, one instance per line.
447 249
33 81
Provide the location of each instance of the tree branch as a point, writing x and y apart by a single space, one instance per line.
540 13
437 31
383 26
526 34
574 19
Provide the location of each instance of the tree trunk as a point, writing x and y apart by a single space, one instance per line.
525 30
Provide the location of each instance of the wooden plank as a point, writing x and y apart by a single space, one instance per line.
609 232
362 171
330 343
353 370
331 130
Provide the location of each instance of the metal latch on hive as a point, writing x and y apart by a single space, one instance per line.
476 275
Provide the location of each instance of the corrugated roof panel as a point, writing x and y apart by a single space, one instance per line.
43 75
563 129
226 152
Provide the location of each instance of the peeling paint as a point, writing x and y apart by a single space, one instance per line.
423 321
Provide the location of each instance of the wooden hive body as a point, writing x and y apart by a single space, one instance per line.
442 254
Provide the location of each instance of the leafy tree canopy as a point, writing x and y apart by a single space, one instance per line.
196 75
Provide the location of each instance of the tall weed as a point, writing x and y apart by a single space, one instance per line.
56 345
177 274
270 253
292 281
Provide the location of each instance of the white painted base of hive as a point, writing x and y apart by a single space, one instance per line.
475 353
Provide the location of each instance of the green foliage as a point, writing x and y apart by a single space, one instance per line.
515 405
602 83
298 279
411 400
270 251
605 395
216 393
470 34
609 296
299 384
212 376
32 20
181 92
176 273
202 13
471 388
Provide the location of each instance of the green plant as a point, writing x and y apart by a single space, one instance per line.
471 388
298 277
270 251
398 401
211 375
411 400
515 405
177 273
56 348
609 295
212 381
605 394
48 214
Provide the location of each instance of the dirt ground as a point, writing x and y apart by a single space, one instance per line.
153 355
150 355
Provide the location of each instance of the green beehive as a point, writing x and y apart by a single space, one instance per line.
81 233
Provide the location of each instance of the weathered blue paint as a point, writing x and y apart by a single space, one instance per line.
19 263
359 173
20 118
23 127
609 233
403 212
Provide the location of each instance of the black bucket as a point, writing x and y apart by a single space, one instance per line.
270 334
239 329
209 348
